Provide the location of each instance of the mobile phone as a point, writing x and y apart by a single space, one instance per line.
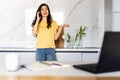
39 14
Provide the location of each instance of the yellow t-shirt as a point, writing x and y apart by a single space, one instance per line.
45 38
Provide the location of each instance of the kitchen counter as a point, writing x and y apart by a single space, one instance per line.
25 49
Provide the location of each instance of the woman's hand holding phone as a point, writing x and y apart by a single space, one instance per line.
38 16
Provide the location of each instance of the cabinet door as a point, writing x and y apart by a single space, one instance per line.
116 5
90 57
116 15
26 58
69 57
2 57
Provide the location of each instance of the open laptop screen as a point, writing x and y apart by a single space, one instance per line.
110 52
109 57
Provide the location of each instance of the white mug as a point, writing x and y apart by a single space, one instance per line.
12 61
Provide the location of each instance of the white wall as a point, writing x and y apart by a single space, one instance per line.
75 12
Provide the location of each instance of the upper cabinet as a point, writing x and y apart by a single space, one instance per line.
116 6
116 15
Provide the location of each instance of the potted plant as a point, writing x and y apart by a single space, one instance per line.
79 34
68 40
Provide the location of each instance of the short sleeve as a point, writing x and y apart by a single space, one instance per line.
54 24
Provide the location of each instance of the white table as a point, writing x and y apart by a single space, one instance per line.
63 71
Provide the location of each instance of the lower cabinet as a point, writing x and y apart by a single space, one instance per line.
89 57
69 57
65 56
78 57
26 58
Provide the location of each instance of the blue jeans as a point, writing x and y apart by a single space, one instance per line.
45 54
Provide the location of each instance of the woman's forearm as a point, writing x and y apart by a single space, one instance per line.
58 32
35 27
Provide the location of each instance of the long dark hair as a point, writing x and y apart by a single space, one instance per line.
49 18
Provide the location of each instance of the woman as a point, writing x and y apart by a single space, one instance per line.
47 32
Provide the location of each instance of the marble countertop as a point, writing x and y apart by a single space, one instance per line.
27 49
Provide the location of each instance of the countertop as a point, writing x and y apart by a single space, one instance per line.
26 49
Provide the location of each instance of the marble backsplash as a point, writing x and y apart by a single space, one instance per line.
15 26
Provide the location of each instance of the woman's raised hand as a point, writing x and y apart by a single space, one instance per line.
38 17
65 25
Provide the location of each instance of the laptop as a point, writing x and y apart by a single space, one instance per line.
109 59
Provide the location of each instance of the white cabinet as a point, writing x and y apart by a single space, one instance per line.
26 57
116 21
116 5
69 57
89 57
65 55
78 57
116 15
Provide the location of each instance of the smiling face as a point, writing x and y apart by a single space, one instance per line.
44 11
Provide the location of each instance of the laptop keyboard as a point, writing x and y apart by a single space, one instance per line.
91 67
